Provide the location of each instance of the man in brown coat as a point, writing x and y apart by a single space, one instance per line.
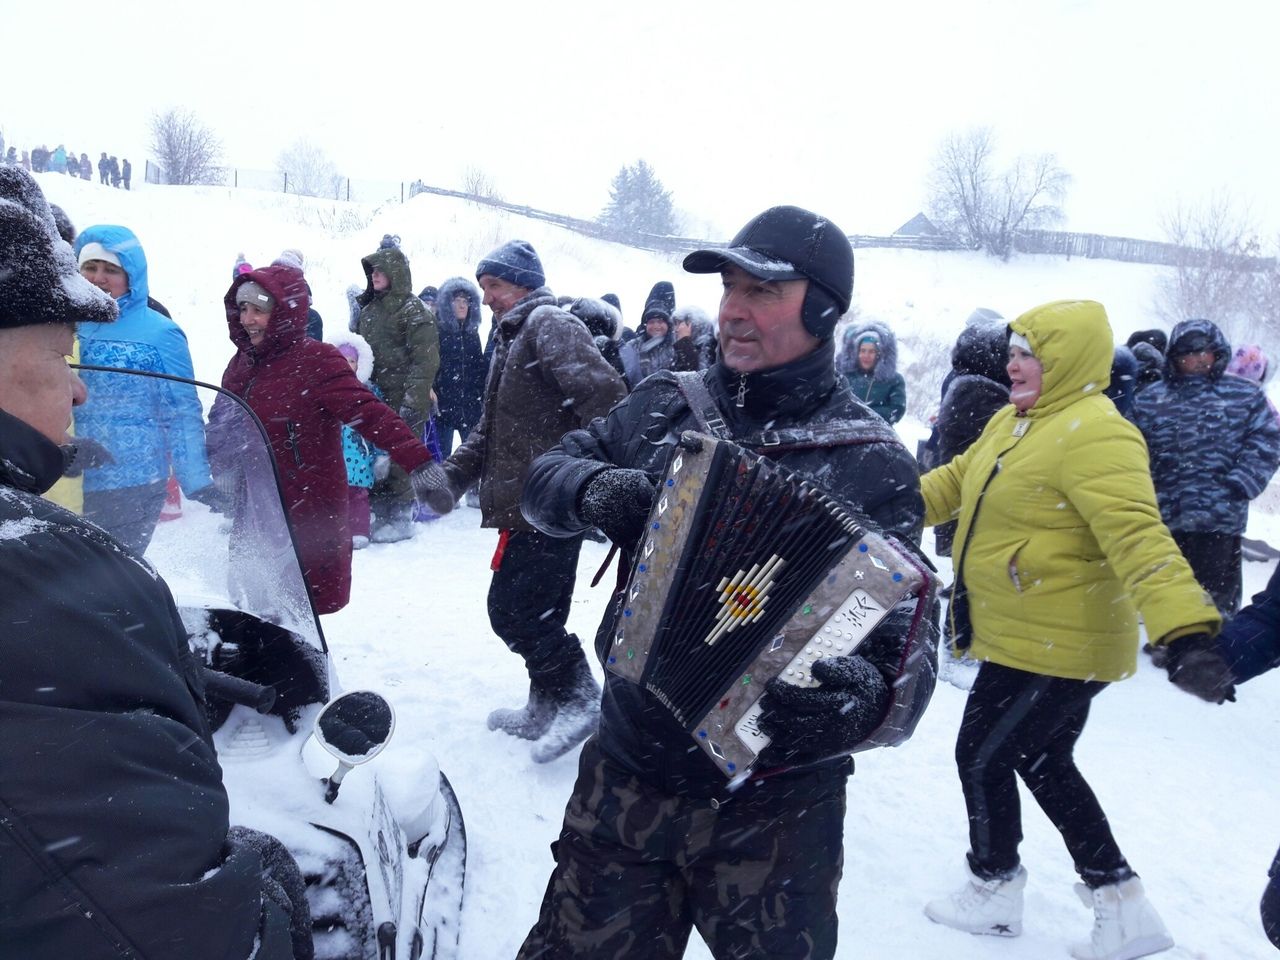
546 378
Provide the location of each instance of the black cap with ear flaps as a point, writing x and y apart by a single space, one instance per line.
790 243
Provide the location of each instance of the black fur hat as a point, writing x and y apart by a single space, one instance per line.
39 282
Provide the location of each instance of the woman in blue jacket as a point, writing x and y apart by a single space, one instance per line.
146 426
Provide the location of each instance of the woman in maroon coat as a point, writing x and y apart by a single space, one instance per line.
303 391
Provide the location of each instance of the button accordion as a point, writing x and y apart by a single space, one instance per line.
747 572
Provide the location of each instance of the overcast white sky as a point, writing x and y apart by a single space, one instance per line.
737 106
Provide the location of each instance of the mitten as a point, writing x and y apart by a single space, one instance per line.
86 454
618 502
808 723
431 486
1196 666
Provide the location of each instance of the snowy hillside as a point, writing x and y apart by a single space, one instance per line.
1191 789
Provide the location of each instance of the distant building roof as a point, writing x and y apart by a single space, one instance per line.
918 226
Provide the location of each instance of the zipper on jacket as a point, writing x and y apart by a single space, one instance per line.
740 400
291 442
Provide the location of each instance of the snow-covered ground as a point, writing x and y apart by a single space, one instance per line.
1190 788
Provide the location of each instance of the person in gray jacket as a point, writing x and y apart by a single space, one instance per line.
547 378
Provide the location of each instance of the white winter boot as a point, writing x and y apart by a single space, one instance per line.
992 907
528 722
577 716
1125 924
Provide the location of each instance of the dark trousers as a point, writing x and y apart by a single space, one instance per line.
1215 561
1026 724
445 430
637 869
129 514
1271 904
529 599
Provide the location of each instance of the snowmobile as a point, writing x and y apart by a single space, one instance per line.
381 841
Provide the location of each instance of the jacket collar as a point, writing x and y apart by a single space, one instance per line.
787 392
514 318
29 461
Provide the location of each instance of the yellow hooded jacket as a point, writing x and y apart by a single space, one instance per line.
1068 538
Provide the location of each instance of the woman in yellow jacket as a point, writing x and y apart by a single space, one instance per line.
1059 539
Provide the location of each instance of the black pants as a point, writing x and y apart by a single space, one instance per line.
637 869
129 514
1215 560
445 429
529 599
1271 904
1027 724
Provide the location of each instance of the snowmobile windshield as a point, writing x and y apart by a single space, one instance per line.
226 544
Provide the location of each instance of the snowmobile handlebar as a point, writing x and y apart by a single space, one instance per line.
244 692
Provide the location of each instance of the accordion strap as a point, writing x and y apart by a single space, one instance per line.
702 404
834 433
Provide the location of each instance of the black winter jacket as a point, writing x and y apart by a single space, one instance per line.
113 817
797 400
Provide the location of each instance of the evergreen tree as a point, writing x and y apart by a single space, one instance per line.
639 202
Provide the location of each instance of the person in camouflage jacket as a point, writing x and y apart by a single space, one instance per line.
1214 446
401 330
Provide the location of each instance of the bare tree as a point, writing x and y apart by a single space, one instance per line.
987 210
187 150
477 182
308 171
1220 273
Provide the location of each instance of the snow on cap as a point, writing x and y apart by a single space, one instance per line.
39 282
96 251
253 292
787 243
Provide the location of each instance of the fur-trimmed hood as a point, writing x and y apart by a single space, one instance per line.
886 366
443 304
983 349
364 352
602 318
704 328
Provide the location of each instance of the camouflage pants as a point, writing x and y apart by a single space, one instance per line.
637 868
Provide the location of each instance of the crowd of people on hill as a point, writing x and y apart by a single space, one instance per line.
1076 485
112 171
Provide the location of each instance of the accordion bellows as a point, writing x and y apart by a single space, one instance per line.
747 572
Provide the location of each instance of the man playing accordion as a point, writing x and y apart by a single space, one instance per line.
655 839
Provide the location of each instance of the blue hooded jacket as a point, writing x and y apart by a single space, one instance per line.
147 424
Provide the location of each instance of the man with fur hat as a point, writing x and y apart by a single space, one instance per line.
653 837
114 837
547 378
654 348
401 330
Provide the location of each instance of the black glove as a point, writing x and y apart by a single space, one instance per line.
283 885
618 502
431 486
86 454
213 498
808 723
1197 667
